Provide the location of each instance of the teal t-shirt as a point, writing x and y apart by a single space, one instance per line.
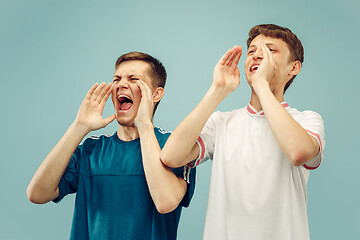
112 196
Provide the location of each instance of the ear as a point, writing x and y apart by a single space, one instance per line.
295 69
158 94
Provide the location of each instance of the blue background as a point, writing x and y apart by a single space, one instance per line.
52 52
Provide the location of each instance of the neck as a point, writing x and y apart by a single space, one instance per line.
127 133
255 100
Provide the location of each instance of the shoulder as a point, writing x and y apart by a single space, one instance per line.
304 115
88 146
93 140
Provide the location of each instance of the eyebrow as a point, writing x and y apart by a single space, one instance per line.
267 44
129 76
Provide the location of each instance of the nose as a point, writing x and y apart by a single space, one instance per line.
258 54
122 84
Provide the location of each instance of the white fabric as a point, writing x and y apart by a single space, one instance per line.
255 193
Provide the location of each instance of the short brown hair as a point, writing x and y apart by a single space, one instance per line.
157 70
271 30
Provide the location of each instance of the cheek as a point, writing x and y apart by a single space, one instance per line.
113 96
283 68
246 62
137 94
246 66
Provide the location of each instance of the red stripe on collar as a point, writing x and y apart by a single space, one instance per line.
252 110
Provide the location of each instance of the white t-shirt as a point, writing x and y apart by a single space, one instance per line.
255 192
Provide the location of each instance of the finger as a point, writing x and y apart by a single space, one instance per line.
103 92
91 91
107 95
109 119
225 57
264 55
141 87
145 90
231 57
265 50
237 73
237 57
97 91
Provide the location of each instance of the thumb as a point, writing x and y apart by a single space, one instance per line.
237 73
109 119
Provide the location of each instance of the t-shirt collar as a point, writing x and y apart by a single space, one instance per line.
252 111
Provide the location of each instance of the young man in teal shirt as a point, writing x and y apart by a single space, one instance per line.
123 189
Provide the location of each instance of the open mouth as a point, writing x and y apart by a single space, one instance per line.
125 102
254 68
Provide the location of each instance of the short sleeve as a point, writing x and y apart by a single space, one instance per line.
69 181
188 174
314 125
206 141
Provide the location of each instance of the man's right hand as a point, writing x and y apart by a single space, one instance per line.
226 73
44 185
90 112
181 147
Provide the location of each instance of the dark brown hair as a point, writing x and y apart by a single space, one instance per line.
294 44
157 70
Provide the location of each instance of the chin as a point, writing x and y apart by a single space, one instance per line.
249 81
125 122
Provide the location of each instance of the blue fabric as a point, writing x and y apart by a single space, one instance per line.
112 196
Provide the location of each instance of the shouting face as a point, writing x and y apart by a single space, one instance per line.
126 94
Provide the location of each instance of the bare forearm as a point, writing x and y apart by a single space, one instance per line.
44 184
298 146
165 187
179 149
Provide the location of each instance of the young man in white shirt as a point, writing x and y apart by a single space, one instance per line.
262 153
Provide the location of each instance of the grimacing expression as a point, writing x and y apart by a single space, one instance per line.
126 94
